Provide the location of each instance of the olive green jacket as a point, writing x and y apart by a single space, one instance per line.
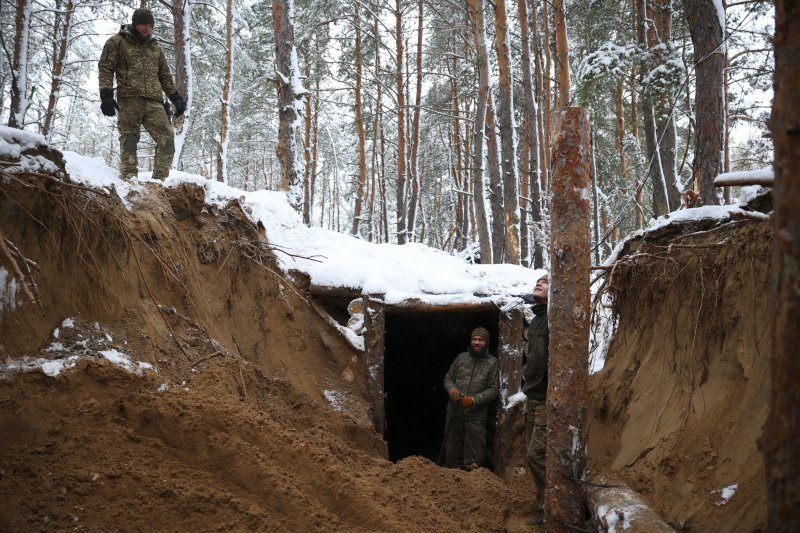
477 377
140 67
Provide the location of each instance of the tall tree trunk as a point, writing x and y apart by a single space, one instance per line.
547 100
707 27
290 105
401 127
19 64
362 155
562 53
225 119
307 141
508 160
314 147
542 111
182 19
665 122
781 453
495 183
414 166
61 37
647 38
475 8
532 181
568 312
458 175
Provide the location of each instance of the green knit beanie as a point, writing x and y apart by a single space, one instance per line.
143 16
481 332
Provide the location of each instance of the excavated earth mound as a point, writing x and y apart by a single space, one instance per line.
158 374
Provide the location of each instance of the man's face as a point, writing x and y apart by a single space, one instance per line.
477 343
145 30
540 290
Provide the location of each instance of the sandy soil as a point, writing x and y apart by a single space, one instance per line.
228 427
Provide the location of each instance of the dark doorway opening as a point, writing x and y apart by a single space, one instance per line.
418 351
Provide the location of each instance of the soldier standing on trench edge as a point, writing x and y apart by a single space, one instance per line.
473 384
534 385
142 73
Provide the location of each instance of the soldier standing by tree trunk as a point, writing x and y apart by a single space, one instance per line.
139 64
534 385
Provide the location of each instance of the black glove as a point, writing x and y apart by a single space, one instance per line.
177 101
107 103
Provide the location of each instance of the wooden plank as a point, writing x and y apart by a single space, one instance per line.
374 347
509 354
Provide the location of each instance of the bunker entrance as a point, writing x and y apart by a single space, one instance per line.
419 348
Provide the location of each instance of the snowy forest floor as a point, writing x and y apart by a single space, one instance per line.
170 379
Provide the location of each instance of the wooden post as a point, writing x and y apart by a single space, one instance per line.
374 342
568 315
509 355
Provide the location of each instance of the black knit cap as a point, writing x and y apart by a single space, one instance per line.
142 16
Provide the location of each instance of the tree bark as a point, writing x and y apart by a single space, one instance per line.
362 157
495 184
19 64
290 106
562 53
531 182
707 29
568 316
416 174
475 8
648 38
307 142
508 159
182 19
222 147
401 127
781 453
61 32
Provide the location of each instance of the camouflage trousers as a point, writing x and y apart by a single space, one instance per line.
466 443
135 112
536 444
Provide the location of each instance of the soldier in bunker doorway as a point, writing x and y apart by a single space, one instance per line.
473 384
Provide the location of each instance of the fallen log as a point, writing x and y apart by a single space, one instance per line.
615 506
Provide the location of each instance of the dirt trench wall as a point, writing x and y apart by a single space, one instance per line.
679 408
175 280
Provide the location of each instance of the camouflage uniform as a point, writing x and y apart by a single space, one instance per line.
534 374
474 376
142 74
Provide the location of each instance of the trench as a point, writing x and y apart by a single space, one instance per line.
418 351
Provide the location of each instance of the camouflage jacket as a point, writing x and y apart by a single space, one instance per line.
140 67
534 373
477 377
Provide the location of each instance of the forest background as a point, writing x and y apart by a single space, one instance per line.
403 109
